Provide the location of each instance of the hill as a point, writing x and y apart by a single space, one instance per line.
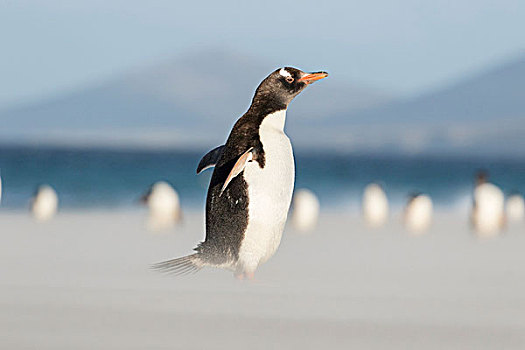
186 101
482 114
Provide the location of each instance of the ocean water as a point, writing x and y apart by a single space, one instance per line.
112 179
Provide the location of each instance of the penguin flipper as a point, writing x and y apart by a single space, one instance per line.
238 167
180 266
210 159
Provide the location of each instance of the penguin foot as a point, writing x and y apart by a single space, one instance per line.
245 275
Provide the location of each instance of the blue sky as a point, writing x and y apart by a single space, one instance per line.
404 46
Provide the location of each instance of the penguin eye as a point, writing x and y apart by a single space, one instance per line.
289 79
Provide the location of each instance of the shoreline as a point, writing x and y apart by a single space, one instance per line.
83 280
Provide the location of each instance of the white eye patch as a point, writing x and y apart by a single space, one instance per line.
284 73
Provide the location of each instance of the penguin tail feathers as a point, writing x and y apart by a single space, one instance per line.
186 265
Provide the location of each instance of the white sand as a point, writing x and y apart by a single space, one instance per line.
82 281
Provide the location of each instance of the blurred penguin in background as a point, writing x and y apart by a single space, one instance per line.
305 212
375 206
488 215
515 207
418 213
164 206
0 188
44 203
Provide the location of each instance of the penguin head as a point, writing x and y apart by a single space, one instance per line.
481 177
146 196
282 85
412 196
158 189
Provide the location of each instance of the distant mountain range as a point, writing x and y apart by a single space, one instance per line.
193 101
483 114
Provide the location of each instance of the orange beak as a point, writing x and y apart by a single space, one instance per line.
309 78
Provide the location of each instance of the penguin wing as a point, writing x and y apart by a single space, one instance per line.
210 159
238 167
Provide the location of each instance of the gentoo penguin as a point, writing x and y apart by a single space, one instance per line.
164 206
44 203
515 207
251 186
305 210
418 213
375 206
488 216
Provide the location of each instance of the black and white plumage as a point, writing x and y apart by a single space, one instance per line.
305 213
251 187
44 203
417 216
164 206
375 206
488 207
515 207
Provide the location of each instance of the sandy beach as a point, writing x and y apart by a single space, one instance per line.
82 281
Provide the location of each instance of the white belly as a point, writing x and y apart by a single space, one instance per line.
270 192
488 215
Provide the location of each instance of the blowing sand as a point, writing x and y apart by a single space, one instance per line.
82 281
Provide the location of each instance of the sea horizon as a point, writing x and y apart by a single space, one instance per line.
115 178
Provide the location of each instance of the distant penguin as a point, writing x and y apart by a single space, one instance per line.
515 207
164 206
375 206
305 210
0 188
488 216
251 186
418 213
44 203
